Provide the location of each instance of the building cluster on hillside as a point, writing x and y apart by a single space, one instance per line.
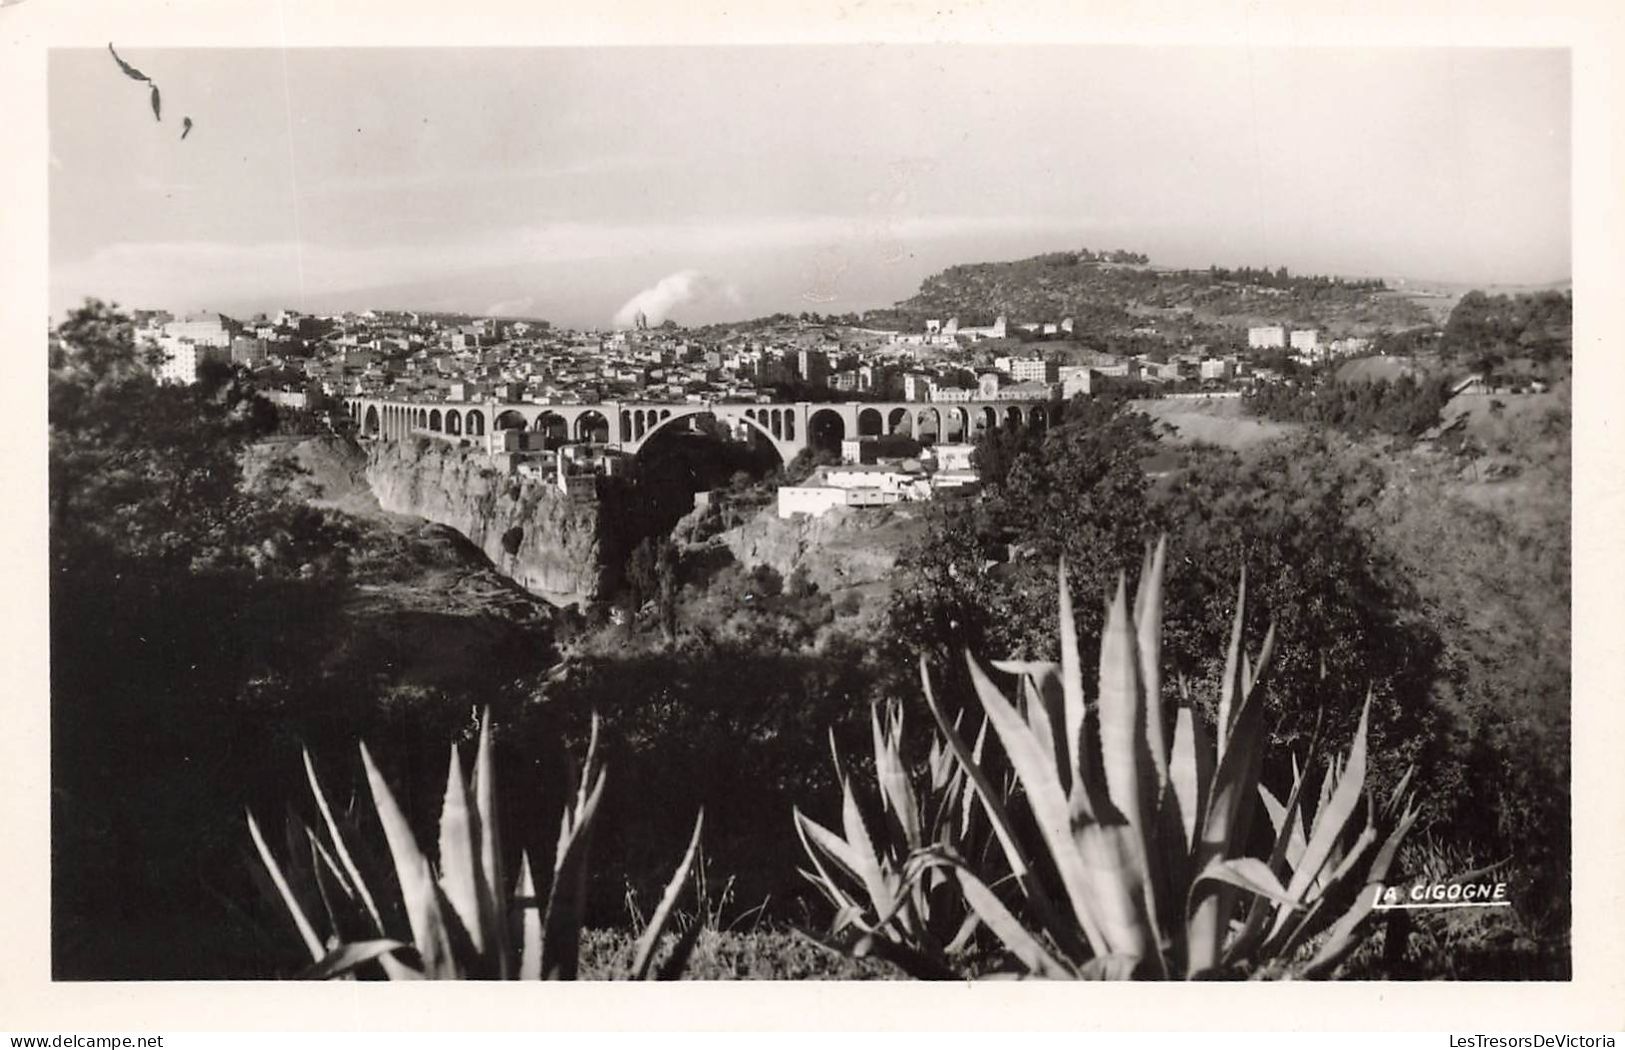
1306 343
428 357
880 471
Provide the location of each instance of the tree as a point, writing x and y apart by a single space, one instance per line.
1285 514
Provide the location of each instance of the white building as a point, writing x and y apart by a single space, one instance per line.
1306 340
1266 337
183 358
955 457
1217 368
1075 380
1034 370
853 485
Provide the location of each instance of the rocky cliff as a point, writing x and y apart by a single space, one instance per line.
843 548
534 534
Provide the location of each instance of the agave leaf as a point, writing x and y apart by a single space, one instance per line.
1131 774
1340 942
1395 805
493 887
418 890
879 887
1228 693
1286 820
1250 874
1109 968
157 102
1076 769
1122 716
347 957
1020 867
967 930
829 844
396 970
313 944
459 866
1335 813
566 902
1052 812
1190 770
663 911
1047 723
530 923
331 887
1224 824
896 793
340 848
1115 870
1027 949
1148 630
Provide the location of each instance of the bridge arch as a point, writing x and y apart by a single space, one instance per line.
454 423
870 422
434 420
370 426
956 425
1038 417
1012 416
826 429
474 423
593 426
511 419
554 428
928 423
900 421
740 424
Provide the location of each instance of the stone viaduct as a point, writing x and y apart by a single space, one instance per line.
629 425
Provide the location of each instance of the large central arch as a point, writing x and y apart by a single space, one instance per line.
743 425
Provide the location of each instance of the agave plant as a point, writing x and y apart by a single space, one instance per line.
1133 862
882 908
463 918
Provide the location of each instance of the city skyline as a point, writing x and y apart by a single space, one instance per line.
563 183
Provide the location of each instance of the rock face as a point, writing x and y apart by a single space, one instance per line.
843 548
532 532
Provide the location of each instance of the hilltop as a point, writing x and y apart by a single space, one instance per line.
1103 294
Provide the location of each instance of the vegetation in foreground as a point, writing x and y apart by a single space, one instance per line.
1124 837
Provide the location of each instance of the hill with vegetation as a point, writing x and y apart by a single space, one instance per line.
1119 292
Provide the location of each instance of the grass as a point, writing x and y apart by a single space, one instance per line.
724 955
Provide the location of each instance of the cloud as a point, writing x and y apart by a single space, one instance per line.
511 307
683 288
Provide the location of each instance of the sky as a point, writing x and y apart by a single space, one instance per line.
717 183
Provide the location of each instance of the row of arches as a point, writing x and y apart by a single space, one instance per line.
780 422
636 423
398 421
952 425
826 427
591 425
